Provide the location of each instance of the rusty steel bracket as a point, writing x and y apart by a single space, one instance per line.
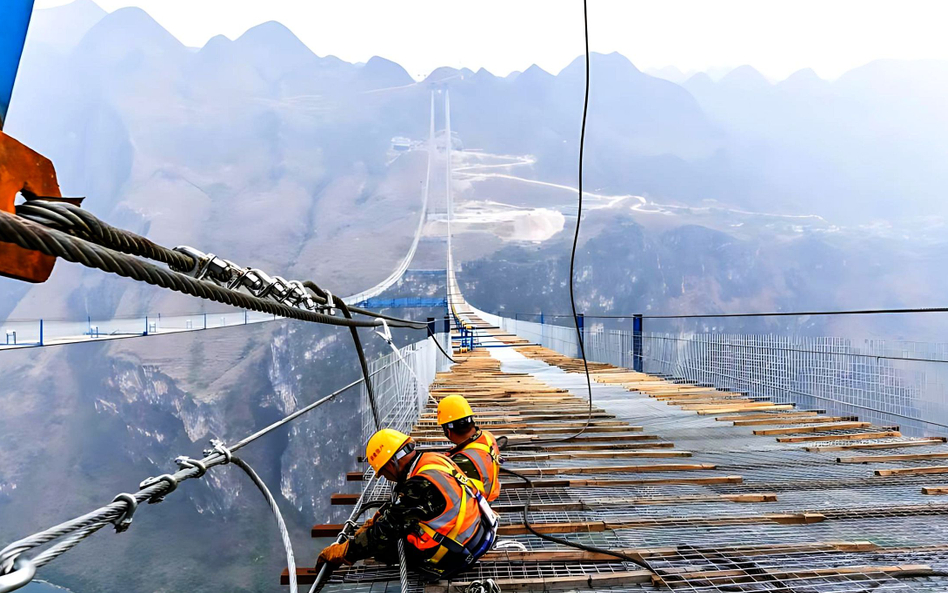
24 171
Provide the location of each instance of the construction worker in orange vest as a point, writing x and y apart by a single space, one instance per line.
476 451
445 523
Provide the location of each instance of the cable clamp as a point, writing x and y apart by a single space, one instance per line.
386 333
238 279
258 283
296 294
279 289
218 446
349 525
168 479
328 307
123 521
185 462
198 256
220 270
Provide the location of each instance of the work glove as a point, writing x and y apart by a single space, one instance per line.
367 525
333 555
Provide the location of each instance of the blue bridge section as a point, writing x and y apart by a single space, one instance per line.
404 303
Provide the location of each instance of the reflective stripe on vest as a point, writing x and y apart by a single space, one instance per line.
485 455
461 518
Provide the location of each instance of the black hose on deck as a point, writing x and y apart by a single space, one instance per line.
566 542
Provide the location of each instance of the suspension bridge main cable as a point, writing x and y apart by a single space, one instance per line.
70 218
30 235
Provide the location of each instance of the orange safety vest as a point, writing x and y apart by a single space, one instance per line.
485 454
461 520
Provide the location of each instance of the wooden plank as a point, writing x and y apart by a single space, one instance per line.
909 471
842 437
326 530
598 526
756 416
559 583
595 455
749 405
888 445
343 499
355 477
595 503
740 575
574 446
800 420
818 428
734 409
606 469
574 483
884 458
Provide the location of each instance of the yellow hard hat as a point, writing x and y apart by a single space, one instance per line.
382 447
453 407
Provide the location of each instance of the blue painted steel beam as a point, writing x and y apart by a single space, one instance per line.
14 21
403 303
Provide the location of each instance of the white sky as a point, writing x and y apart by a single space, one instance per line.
777 37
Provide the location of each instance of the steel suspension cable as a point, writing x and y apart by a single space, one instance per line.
30 235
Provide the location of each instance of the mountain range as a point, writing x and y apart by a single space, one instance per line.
705 194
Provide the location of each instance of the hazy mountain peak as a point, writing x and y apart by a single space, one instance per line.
483 73
803 80
535 72
699 84
274 36
442 73
745 77
379 73
611 65
128 29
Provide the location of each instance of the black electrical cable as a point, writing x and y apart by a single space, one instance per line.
356 342
582 348
572 257
552 538
579 218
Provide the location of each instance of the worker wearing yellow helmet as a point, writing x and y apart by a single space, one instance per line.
435 510
475 450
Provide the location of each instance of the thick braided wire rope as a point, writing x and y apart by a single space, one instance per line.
402 566
72 219
30 235
284 534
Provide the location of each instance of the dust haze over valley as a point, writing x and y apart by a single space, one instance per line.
735 194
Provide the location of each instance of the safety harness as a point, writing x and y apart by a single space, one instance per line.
449 542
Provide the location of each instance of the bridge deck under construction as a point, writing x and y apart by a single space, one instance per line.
710 489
